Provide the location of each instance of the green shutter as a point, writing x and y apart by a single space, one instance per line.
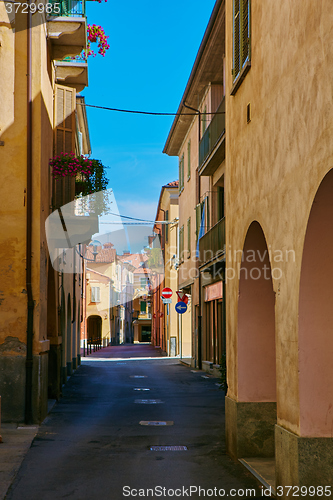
236 39
188 160
189 236
143 306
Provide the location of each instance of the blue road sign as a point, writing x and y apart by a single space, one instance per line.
181 307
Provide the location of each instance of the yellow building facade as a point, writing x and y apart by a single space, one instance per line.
40 309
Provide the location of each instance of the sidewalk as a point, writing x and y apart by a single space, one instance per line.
16 443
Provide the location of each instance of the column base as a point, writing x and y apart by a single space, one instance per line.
249 428
303 461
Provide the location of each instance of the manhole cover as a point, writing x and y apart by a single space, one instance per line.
140 389
155 422
138 376
148 401
168 448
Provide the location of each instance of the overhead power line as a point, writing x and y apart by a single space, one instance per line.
151 113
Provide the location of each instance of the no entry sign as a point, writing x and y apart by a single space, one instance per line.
167 292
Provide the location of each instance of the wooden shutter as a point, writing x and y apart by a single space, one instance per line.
236 39
64 119
188 159
181 243
64 140
166 218
245 25
197 219
189 236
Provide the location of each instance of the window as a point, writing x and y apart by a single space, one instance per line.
95 294
204 120
143 282
202 224
143 306
188 160
181 243
181 173
166 218
241 37
189 237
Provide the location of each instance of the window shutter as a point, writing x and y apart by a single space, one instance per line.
166 218
98 294
189 236
188 159
64 137
64 119
143 306
245 42
197 219
236 39
93 294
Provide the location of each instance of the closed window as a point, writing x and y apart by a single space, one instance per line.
95 294
143 306
181 243
181 173
188 160
241 36
189 237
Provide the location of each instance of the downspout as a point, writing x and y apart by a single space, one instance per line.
30 311
199 275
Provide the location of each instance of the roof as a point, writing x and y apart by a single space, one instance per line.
106 254
133 258
89 270
206 69
172 184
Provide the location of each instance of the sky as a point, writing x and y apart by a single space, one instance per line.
153 46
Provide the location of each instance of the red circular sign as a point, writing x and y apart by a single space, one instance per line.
166 293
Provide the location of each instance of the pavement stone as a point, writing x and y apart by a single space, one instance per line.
16 441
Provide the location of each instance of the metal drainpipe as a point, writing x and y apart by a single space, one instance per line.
199 275
30 312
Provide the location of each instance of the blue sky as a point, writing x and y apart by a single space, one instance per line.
153 46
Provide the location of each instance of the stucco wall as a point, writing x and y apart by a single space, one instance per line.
276 162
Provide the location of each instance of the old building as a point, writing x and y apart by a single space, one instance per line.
198 139
40 306
167 324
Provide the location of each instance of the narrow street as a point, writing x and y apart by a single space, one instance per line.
92 444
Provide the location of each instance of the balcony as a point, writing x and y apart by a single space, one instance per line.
212 144
66 28
212 244
72 72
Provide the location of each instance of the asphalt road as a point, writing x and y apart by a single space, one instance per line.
92 446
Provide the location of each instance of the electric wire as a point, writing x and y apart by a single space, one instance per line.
151 113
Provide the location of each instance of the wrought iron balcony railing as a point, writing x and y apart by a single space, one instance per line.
68 8
213 134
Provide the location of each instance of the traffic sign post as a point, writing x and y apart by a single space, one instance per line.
181 307
166 293
166 301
